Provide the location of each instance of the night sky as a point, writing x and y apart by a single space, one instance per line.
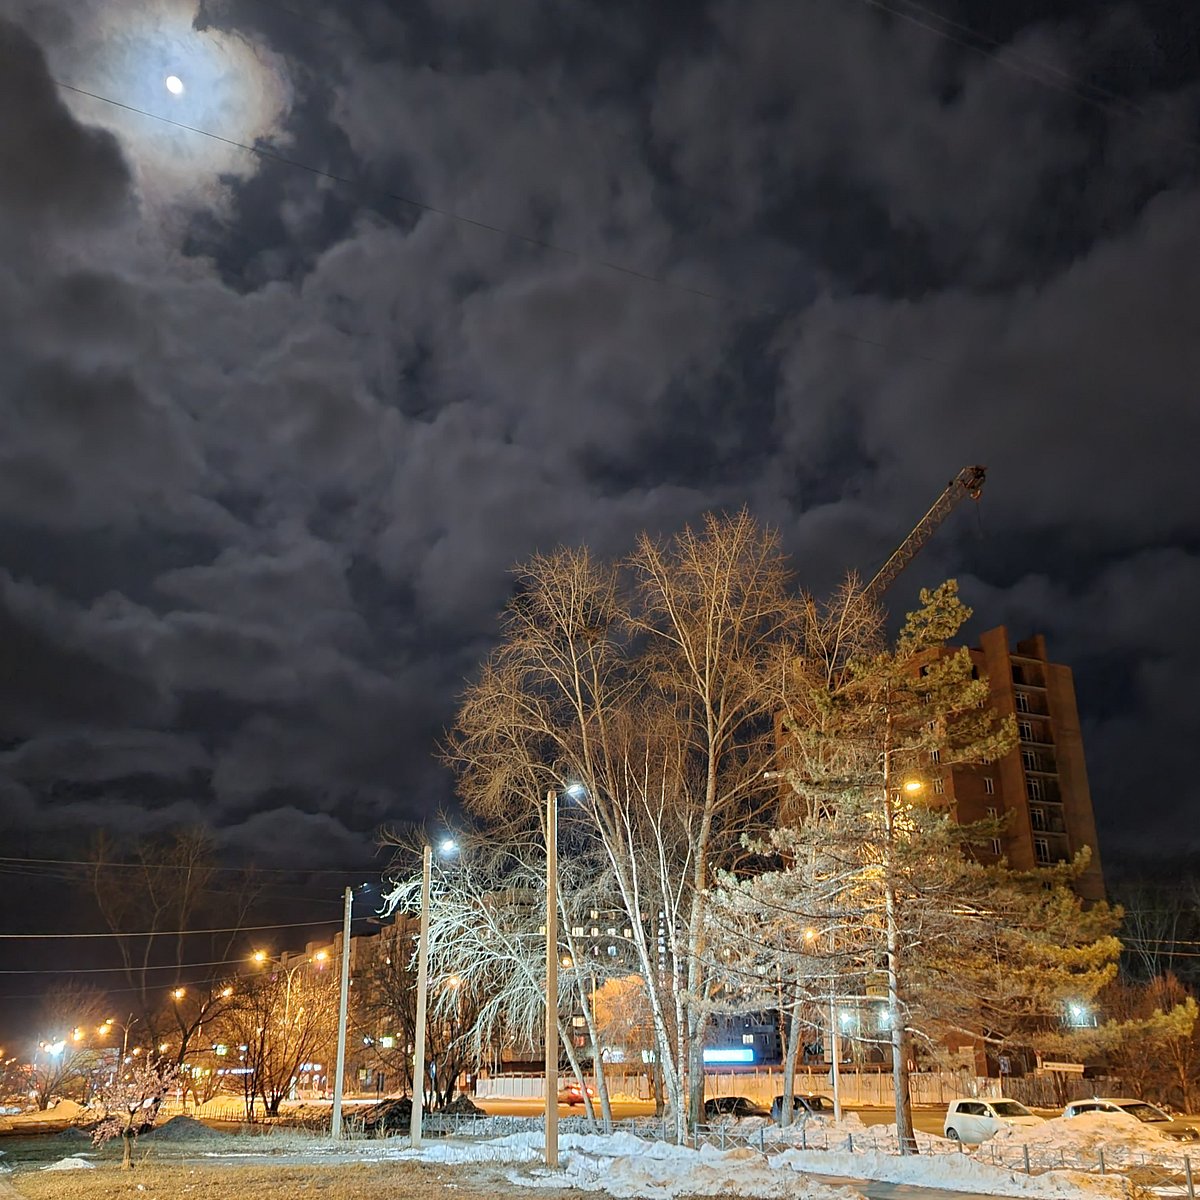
272 436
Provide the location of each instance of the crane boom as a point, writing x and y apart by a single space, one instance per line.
968 482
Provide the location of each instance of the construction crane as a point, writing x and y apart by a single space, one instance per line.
968 482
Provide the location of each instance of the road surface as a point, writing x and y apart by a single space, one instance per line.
928 1120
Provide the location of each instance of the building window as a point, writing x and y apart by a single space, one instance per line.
1025 730
939 786
612 952
935 757
1041 850
989 785
992 813
577 931
1022 702
1037 818
1030 760
1035 789
579 1022
747 1039
996 848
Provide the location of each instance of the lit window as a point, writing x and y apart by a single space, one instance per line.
579 1022
989 785
612 952
577 931
747 1039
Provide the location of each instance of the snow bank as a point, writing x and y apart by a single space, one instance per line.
74 1163
627 1166
662 1171
1085 1132
958 1172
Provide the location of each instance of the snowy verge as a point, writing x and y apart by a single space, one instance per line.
626 1166
956 1172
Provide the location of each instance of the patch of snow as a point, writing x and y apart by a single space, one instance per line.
1079 1141
74 1163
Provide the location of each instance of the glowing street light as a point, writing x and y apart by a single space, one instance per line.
446 846
913 787
174 85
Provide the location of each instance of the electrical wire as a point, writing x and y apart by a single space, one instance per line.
219 962
85 862
750 307
168 932
1104 99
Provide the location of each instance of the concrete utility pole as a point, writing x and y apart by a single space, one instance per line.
343 1003
418 1099
551 978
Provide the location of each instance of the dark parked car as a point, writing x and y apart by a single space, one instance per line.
732 1107
803 1107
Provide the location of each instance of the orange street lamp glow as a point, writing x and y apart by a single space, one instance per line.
259 956
227 992
179 993
913 786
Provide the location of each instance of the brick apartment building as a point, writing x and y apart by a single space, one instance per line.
1042 785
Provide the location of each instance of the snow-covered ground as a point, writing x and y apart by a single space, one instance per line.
627 1166
1121 1140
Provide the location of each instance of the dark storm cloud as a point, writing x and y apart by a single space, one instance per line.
281 439
51 167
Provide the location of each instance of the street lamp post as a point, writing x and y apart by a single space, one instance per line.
551 1038
418 1083
447 846
343 1004
577 791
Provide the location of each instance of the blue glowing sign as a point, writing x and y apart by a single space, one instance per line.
729 1054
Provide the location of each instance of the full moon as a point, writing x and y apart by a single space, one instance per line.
174 85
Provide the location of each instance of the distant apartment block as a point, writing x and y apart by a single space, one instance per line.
1041 787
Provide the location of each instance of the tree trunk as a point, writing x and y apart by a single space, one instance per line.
795 1025
127 1148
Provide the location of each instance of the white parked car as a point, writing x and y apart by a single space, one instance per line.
1149 1114
975 1121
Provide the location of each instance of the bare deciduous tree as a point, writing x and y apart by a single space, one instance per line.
654 686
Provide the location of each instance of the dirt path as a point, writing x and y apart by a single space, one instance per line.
259 1181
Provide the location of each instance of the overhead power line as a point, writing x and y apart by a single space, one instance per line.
219 962
168 932
420 205
1046 74
252 870
750 307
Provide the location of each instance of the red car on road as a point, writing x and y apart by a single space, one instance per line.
572 1093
